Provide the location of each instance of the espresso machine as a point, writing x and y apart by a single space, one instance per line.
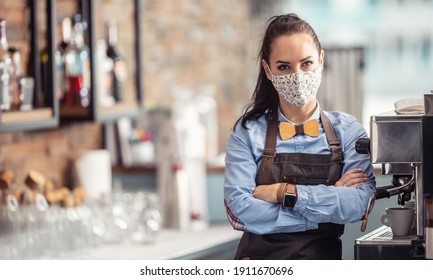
403 144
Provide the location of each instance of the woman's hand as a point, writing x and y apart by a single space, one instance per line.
352 178
269 193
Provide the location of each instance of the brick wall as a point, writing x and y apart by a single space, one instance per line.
188 43
49 151
185 43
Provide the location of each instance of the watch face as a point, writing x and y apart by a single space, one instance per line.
289 200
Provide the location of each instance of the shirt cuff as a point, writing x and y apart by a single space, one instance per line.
302 203
303 196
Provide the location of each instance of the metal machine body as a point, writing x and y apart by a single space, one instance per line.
398 142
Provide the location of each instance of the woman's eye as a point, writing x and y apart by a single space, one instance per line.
307 63
283 67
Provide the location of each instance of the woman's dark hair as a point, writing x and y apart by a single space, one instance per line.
265 97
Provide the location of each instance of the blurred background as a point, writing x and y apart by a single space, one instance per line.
386 46
199 65
397 39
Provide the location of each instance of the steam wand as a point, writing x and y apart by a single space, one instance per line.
388 191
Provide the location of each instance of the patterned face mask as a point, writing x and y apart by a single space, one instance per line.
298 88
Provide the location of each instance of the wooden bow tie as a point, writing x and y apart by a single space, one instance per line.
288 130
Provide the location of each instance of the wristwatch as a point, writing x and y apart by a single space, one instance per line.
290 196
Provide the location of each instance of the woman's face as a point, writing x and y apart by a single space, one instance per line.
293 53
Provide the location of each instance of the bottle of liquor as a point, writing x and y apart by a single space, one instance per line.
15 74
103 71
66 34
119 71
61 83
59 57
5 64
77 67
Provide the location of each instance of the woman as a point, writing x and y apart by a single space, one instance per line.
293 177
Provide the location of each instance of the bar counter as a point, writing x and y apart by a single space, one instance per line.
216 242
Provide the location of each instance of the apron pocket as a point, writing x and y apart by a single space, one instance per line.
303 181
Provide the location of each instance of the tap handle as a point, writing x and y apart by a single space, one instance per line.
382 193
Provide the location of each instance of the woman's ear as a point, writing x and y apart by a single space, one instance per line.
266 68
322 58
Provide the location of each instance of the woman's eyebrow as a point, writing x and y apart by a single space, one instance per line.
308 57
283 62
287 62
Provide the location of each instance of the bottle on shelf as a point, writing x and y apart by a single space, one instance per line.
66 27
66 35
59 57
5 64
77 67
15 75
119 72
103 71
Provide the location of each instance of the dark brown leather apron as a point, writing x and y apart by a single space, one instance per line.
304 169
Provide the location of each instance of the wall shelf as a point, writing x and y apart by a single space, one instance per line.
48 112
45 109
41 118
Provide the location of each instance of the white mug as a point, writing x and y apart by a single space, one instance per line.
399 219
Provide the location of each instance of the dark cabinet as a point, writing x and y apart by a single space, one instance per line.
120 20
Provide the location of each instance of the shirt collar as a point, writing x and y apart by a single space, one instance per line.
315 115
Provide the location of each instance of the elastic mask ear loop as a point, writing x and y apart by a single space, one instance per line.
269 68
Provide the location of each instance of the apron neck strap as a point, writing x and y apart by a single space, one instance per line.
269 151
331 137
